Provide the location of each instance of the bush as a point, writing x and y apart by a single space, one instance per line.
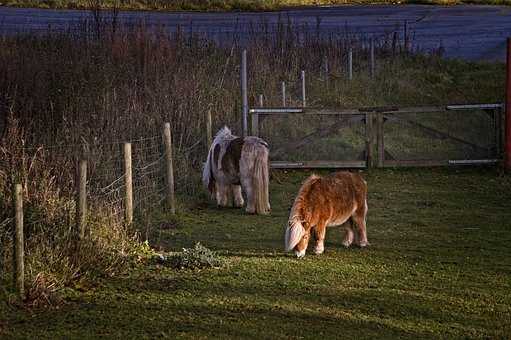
197 257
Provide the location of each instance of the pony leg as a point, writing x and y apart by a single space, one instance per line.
319 233
359 217
223 195
249 190
238 197
218 194
348 235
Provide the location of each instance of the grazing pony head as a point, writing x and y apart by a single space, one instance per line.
296 237
298 229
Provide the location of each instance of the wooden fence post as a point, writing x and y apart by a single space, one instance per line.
19 251
499 126
209 128
381 145
350 64
81 211
303 88
394 43
128 182
406 39
370 142
171 199
371 57
326 71
283 94
255 124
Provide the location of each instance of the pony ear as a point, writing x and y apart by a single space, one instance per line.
294 234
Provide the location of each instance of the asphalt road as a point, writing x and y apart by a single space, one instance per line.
468 32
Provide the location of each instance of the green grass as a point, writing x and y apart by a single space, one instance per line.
224 5
439 266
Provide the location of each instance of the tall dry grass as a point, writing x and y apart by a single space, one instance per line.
54 257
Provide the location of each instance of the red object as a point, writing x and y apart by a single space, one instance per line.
507 156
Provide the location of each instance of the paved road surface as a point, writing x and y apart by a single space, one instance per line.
469 32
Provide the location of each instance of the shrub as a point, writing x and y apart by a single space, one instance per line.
197 257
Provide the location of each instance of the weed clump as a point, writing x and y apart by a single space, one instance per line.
198 257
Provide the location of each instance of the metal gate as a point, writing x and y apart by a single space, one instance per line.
381 137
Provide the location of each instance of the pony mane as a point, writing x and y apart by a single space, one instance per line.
299 210
222 134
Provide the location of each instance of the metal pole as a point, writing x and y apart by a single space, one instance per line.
350 64
19 243
171 199
261 101
372 58
507 157
303 89
128 182
283 94
244 92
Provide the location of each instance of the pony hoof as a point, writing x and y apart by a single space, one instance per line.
346 244
300 254
319 250
364 244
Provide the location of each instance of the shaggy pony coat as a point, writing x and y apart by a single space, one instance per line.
328 201
236 163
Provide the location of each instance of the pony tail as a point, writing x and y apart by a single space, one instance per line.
207 173
261 181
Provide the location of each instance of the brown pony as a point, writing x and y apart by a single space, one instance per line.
328 201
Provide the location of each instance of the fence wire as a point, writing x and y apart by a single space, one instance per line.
106 179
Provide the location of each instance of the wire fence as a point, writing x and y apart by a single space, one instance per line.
106 184
355 59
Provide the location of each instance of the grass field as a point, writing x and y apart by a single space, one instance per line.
439 266
223 5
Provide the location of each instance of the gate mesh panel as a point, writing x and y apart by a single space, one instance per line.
447 135
314 137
